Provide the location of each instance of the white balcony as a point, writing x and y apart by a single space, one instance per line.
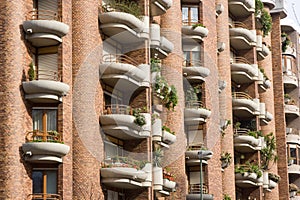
290 51
195 114
168 138
119 122
245 106
290 80
264 116
241 37
261 48
291 111
194 71
270 3
247 143
127 177
241 8
242 71
294 169
44 148
194 32
160 7
192 157
293 138
281 8
45 91
123 73
160 46
169 185
247 180
263 82
123 27
195 193
44 28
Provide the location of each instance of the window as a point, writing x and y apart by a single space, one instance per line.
44 119
44 181
288 65
190 14
113 147
191 54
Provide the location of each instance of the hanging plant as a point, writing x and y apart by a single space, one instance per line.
268 153
266 21
167 94
285 41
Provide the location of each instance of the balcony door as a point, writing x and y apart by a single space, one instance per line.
44 119
190 14
44 181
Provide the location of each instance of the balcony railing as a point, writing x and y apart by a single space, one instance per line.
39 136
192 63
43 15
194 104
241 95
239 25
47 75
196 189
41 196
241 60
118 109
191 22
119 58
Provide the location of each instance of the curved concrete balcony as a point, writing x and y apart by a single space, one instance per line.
241 38
263 82
264 116
194 72
290 51
247 180
123 27
247 143
261 48
195 114
270 3
123 73
127 177
290 80
244 106
194 193
119 122
291 111
294 169
44 148
44 29
192 157
293 138
168 137
241 8
45 91
169 185
196 33
160 7
242 71
160 46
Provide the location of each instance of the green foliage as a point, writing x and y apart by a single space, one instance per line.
258 7
237 125
268 153
31 72
250 168
266 21
274 177
154 63
128 162
140 119
225 159
165 128
226 197
286 41
198 25
157 157
255 134
127 6
168 94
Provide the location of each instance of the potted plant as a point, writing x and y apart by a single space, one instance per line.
287 98
225 159
194 26
167 94
140 119
31 72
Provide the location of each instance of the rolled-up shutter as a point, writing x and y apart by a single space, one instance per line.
47 67
47 9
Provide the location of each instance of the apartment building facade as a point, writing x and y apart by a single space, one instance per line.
160 99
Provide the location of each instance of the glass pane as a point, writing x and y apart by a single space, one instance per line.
37 118
293 152
111 150
185 15
288 64
51 120
196 55
37 182
194 15
51 182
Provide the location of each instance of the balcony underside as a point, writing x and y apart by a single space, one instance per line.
194 116
160 7
241 8
244 108
44 152
270 3
45 91
241 38
266 118
249 180
123 127
45 32
246 144
198 197
122 27
243 73
124 76
195 74
290 82
162 48
196 34
263 53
